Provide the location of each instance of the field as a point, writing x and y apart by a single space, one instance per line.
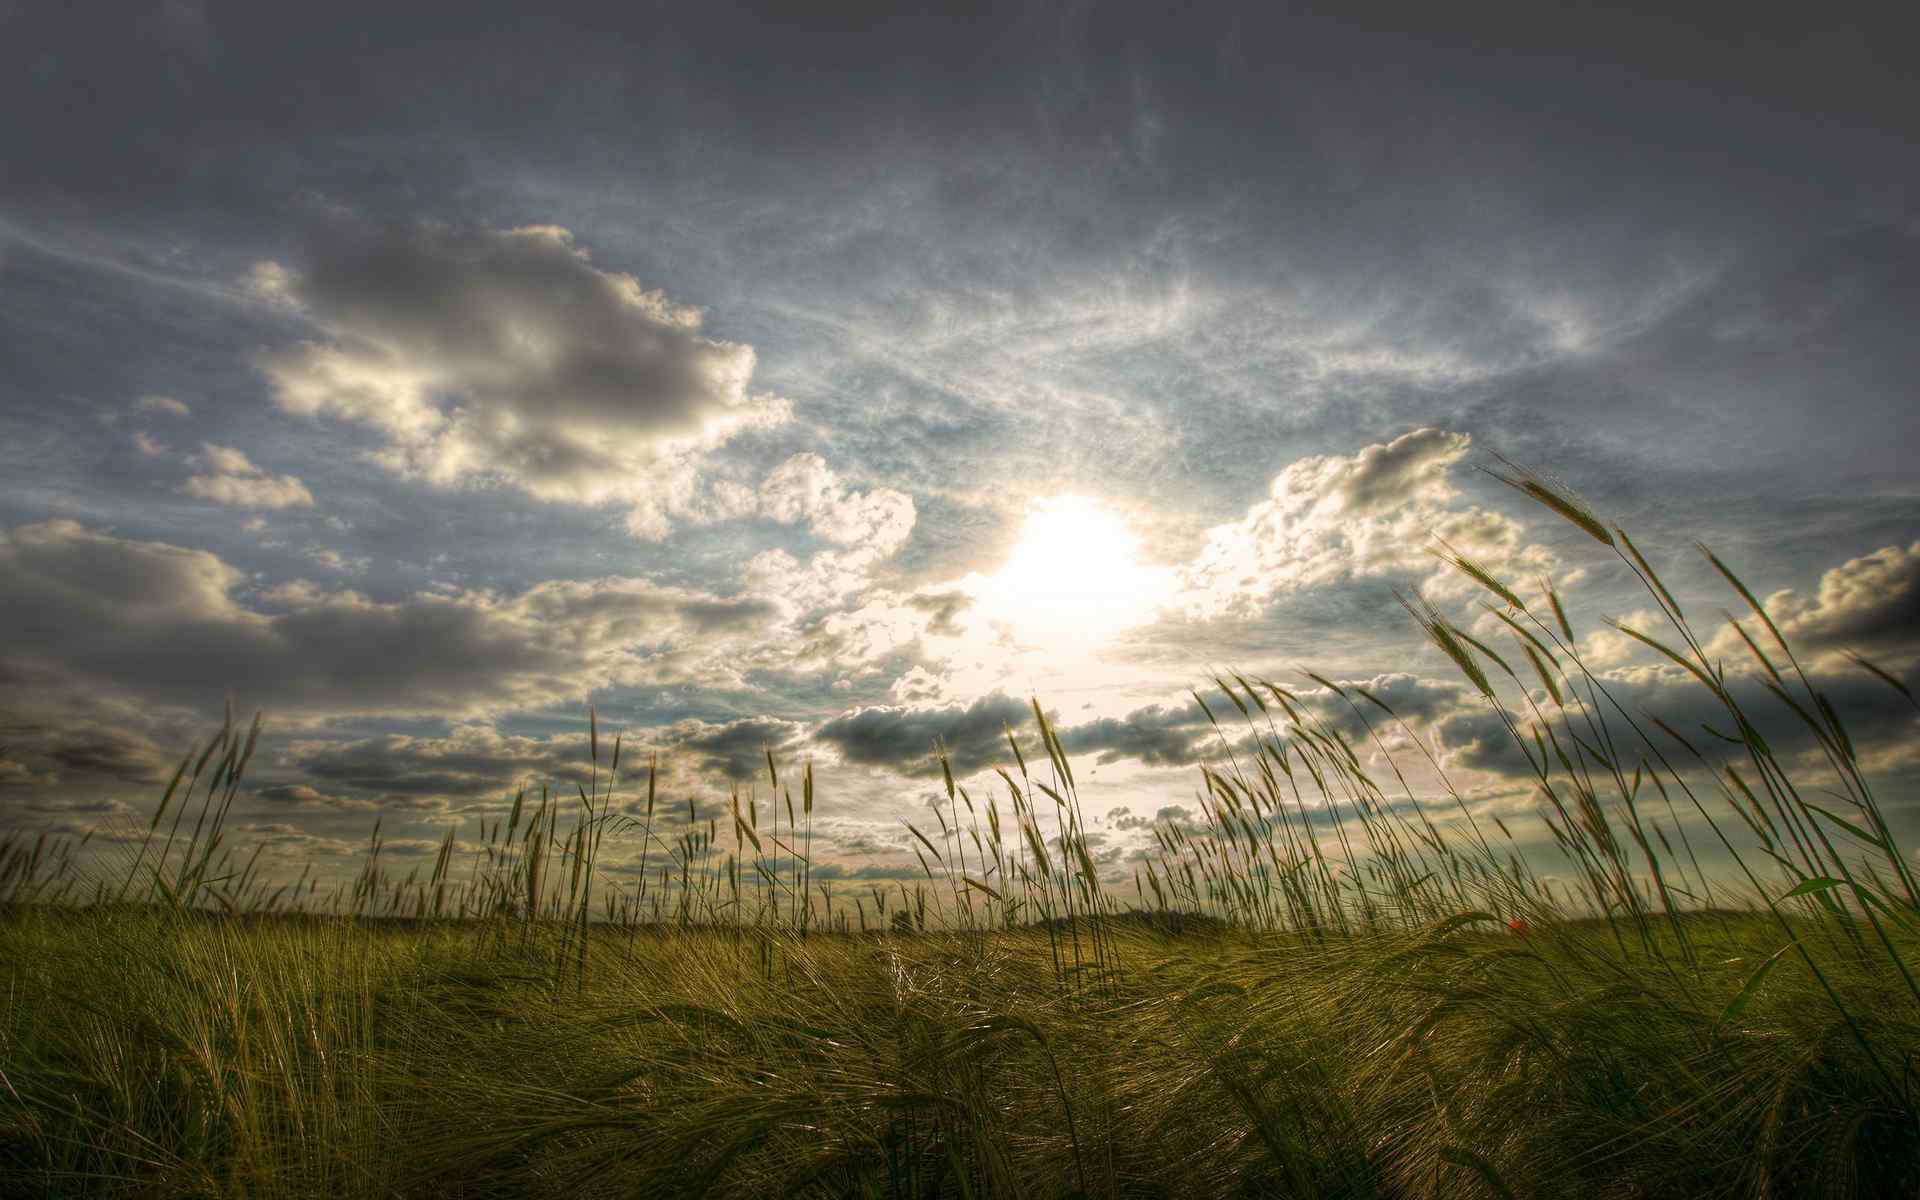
1330 986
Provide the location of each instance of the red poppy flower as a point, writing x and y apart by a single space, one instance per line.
1518 927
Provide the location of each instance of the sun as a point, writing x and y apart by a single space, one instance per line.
1074 577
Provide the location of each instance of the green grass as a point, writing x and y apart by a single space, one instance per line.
1330 985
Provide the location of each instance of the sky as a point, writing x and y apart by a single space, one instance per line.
836 380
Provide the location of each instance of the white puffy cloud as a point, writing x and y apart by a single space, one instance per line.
865 527
829 577
805 488
1869 604
233 479
506 355
1332 517
853 640
920 687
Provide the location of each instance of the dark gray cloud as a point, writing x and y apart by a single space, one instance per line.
737 749
480 762
1416 700
1181 735
474 762
41 746
123 756
1169 227
161 619
1155 735
1882 726
1477 738
904 739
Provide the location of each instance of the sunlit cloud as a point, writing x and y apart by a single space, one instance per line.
506 355
233 479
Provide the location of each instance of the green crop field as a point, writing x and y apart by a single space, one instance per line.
1330 986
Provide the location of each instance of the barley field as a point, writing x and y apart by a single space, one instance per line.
1334 984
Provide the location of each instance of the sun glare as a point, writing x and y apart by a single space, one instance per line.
1074 577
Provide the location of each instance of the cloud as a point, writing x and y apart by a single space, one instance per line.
1413 699
333 560
283 838
865 527
161 620
836 872
117 754
1160 735
1870 604
165 406
943 610
828 578
1881 725
17 774
1156 735
736 749
300 795
1381 477
81 806
471 762
919 687
805 488
902 738
1476 737
1332 517
506 355
235 480
1125 819
477 761
850 640
44 747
